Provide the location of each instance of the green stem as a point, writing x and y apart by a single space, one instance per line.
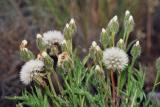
52 89
155 82
113 36
82 102
113 89
133 101
58 83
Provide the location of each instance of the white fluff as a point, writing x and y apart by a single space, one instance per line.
52 37
29 69
115 58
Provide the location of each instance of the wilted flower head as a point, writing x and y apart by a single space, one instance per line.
62 58
115 58
29 70
52 37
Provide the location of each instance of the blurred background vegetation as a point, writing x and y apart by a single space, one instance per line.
22 19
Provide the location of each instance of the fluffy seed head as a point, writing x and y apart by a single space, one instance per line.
52 37
30 69
115 58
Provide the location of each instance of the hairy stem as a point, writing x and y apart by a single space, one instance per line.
113 90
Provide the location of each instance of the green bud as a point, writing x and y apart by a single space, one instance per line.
158 64
113 25
136 50
72 25
127 14
40 43
26 54
69 30
120 44
48 61
104 39
128 22
98 69
95 52
64 46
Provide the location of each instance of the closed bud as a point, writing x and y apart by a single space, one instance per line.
98 48
94 44
24 42
26 54
114 25
131 23
67 25
68 32
127 13
137 43
72 21
136 50
40 43
48 61
44 54
120 44
98 69
39 36
104 39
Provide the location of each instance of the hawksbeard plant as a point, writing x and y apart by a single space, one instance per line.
106 77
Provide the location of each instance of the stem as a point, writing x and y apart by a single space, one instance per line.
113 35
155 82
133 101
57 80
113 89
52 88
82 101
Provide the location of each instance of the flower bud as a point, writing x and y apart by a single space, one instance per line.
70 29
104 40
24 42
99 70
72 21
40 43
127 13
39 36
48 61
131 23
114 25
136 50
94 44
26 54
121 44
